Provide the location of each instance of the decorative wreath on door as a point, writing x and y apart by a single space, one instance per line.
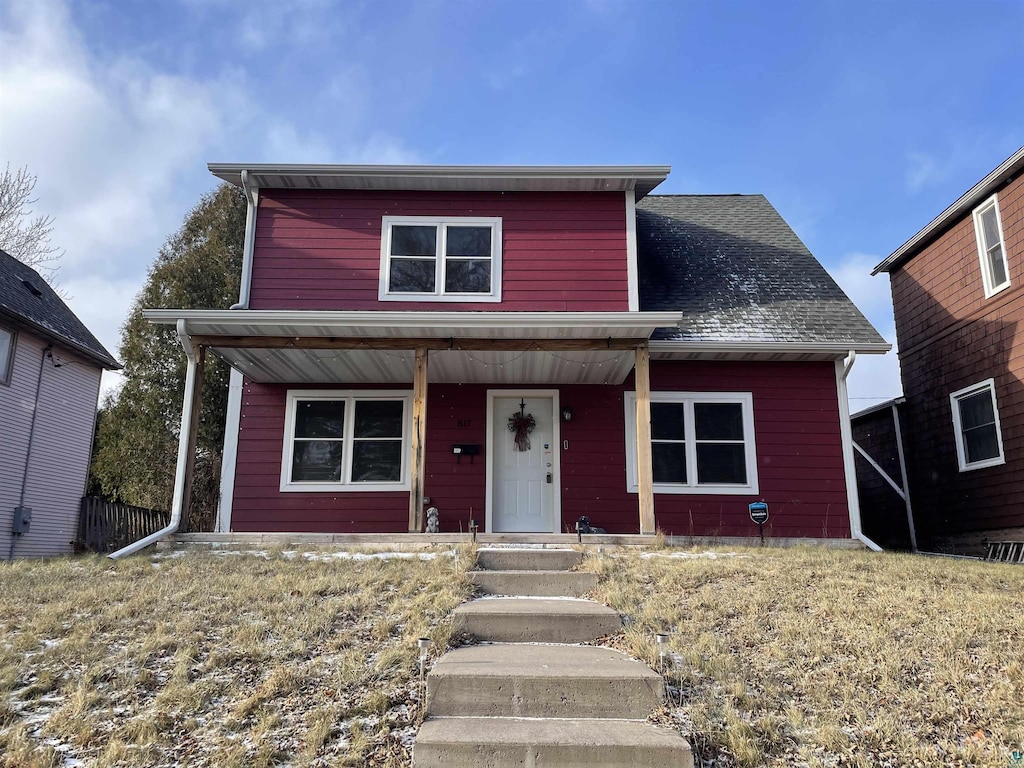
521 425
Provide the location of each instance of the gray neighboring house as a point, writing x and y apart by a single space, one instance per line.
50 366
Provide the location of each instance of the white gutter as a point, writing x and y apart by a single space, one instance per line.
755 347
846 431
252 197
177 500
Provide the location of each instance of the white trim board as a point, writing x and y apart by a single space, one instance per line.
632 264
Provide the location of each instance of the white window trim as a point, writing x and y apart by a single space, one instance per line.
350 395
746 400
7 366
979 233
961 451
387 222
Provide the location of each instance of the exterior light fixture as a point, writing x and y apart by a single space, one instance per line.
567 414
661 640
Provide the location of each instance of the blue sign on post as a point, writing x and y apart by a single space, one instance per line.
759 514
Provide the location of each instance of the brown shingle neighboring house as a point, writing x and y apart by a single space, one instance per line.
958 294
50 366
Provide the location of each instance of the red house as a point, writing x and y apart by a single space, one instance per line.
958 295
523 346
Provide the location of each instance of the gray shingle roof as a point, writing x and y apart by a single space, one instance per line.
27 298
739 274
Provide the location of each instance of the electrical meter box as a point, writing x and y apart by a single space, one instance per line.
22 519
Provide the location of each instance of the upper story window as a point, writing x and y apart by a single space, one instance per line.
701 442
6 355
427 258
988 228
979 441
336 440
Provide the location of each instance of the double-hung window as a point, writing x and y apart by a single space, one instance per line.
979 440
988 228
345 441
425 258
6 355
701 442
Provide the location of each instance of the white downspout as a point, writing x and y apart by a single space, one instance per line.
846 431
177 500
252 196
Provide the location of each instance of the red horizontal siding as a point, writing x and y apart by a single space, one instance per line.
321 249
800 470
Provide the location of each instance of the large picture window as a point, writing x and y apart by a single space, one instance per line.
337 441
988 228
6 355
979 440
440 259
701 442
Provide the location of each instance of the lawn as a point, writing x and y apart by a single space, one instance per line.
801 657
811 657
217 660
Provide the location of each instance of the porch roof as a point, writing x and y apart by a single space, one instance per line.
377 347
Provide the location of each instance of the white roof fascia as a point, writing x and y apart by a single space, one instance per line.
791 347
1006 170
642 178
578 324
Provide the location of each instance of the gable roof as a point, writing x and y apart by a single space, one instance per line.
30 301
1000 175
739 274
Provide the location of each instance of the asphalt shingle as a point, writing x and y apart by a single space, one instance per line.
738 273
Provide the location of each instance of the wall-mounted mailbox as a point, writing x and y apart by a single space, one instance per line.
466 449
22 520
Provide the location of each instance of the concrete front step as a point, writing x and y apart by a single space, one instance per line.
563 681
507 559
514 743
535 620
535 583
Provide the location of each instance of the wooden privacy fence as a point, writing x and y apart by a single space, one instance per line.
104 526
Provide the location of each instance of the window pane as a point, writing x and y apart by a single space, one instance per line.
990 226
467 276
718 421
981 443
411 276
6 337
469 241
721 464
379 418
317 460
377 461
976 410
669 462
667 421
413 241
320 418
995 257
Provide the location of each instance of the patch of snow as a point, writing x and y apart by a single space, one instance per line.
533 597
692 555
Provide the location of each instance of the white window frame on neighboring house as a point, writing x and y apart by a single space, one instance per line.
986 249
7 358
350 397
442 223
693 484
989 385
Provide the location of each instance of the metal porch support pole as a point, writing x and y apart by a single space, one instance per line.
416 444
644 469
193 434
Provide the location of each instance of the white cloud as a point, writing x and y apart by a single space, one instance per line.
874 378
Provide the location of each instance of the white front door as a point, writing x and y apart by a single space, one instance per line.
523 482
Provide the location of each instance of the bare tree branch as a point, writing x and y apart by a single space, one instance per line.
25 237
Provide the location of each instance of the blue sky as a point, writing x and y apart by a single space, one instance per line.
860 121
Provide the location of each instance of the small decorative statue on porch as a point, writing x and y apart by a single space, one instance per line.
521 425
432 524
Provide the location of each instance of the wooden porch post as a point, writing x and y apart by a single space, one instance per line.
644 470
419 421
193 433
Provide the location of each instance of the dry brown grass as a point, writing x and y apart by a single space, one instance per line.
217 660
811 657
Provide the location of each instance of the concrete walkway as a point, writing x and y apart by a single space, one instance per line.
516 702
